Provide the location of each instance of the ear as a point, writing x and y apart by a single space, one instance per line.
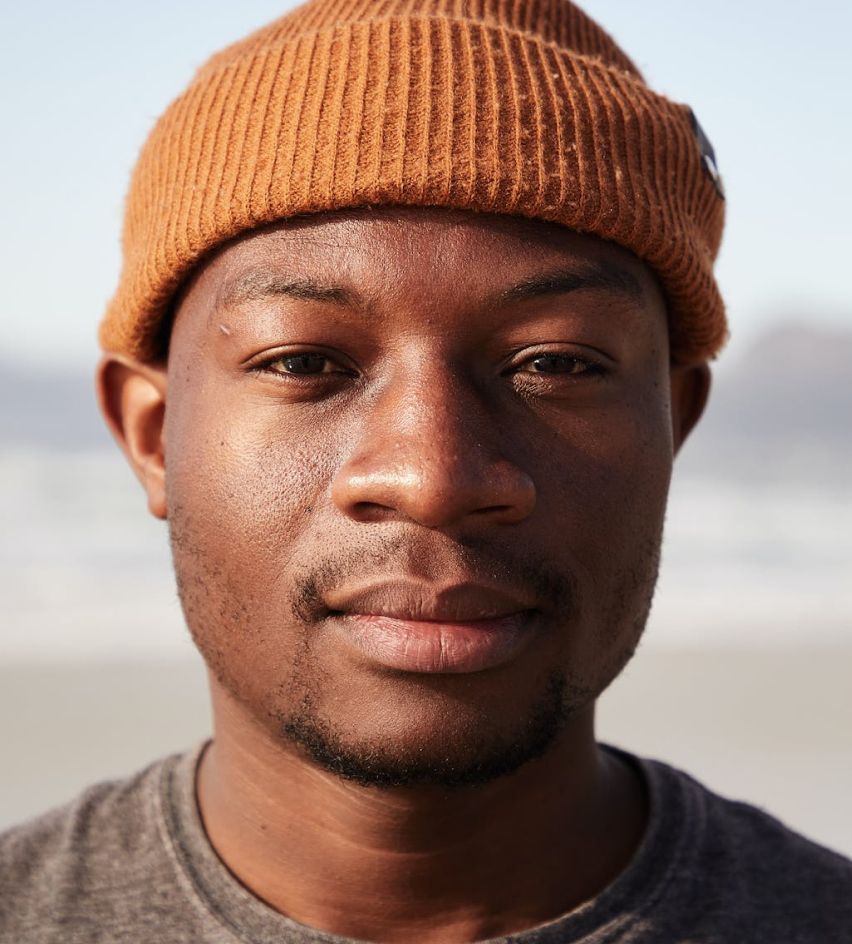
690 389
132 398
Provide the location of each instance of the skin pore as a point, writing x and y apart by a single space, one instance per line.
380 438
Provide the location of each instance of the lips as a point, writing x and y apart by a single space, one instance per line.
411 627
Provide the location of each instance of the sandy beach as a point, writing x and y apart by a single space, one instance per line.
773 728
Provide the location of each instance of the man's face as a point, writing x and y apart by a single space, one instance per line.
416 471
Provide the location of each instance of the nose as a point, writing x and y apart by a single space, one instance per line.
428 451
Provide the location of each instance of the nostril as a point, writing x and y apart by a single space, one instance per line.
398 481
371 511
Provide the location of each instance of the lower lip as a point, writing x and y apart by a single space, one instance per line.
436 647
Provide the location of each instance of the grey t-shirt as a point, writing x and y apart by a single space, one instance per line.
130 861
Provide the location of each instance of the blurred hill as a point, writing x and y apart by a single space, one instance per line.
48 408
782 411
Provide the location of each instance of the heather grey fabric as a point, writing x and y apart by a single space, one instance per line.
129 861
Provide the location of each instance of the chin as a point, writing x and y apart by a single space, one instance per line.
433 740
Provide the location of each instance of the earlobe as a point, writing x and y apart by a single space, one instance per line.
690 390
132 398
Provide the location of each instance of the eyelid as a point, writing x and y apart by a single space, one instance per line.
585 354
261 362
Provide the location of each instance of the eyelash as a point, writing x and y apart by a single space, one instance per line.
591 367
266 367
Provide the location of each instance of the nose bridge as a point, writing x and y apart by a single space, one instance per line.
429 450
433 411
433 427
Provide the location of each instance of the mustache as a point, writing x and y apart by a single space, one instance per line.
431 561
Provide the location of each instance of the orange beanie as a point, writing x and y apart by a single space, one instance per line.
522 107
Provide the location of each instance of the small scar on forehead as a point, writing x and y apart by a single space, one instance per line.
225 329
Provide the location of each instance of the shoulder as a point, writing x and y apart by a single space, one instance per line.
82 866
749 872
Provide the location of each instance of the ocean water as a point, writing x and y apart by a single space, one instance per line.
85 570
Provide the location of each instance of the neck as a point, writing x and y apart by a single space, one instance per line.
421 864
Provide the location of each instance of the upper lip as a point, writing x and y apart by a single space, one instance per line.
460 602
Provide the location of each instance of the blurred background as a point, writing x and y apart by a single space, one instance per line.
744 675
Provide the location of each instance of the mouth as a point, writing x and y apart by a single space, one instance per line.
452 629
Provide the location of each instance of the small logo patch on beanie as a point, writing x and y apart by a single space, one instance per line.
708 155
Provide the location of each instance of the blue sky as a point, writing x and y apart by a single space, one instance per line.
83 83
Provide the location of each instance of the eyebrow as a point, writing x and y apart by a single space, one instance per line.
596 276
253 286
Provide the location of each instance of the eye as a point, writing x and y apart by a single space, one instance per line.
300 364
303 364
560 363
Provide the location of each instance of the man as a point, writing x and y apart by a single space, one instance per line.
417 307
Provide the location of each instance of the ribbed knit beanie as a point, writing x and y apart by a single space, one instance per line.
522 107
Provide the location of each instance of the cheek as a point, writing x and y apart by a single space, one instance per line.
242 487
250 471
604 493
604 467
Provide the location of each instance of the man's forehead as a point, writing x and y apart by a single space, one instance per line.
268 282
316 256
